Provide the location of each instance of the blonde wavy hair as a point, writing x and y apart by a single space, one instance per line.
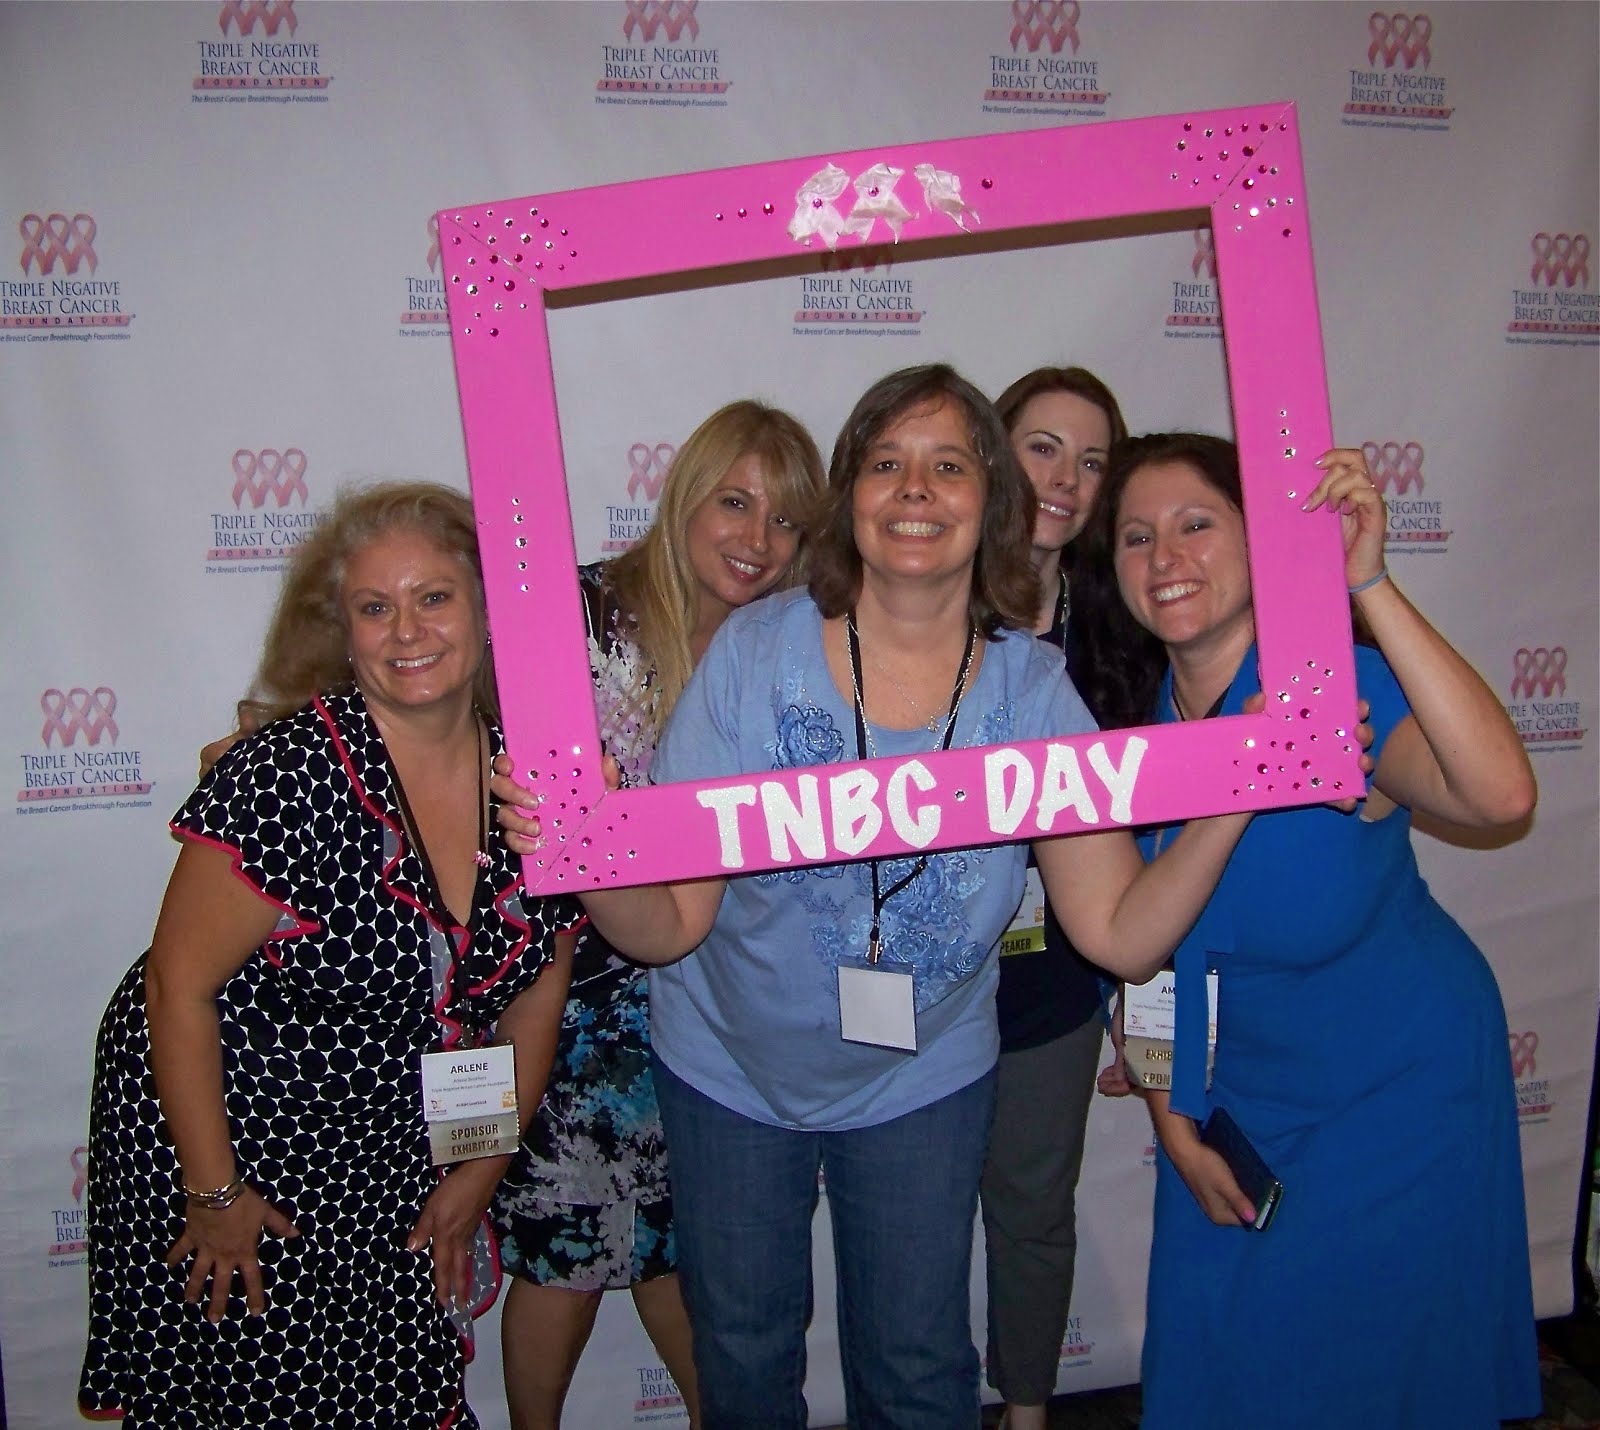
654 581
307 651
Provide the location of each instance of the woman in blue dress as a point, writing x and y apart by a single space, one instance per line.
1392 1289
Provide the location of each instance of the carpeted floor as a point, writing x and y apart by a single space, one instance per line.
1569 1357
1569 1360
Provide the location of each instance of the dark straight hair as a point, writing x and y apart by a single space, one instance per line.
1077 380
1005 591
1121 662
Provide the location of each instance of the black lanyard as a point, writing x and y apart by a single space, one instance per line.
881 897
435 905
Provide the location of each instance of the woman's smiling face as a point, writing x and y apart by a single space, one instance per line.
1062 441
917 503
1181 562
415 622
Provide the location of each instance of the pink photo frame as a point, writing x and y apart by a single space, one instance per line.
503 260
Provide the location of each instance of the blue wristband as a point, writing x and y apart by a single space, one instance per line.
1371 581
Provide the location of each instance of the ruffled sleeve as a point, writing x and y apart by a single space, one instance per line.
262 802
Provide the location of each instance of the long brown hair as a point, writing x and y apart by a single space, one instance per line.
306 651
654 581
1077 380
1123 662
1005 591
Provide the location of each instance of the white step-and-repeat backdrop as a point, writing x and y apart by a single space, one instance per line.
222 300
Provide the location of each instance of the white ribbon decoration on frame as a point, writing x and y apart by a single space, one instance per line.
816 213
942 192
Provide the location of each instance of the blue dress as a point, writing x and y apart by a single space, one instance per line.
1362 1048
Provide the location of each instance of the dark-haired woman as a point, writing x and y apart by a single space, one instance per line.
913 636
1392 1288
1062 423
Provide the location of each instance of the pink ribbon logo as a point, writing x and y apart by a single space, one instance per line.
269 472
433 242
648 469
1563 258
80 1172
46 239
1039 20
1399 37
1523 1047
1540 671
1394 465
245 13
674 16
79 711
1205 254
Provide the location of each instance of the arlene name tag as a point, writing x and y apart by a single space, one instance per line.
469 1100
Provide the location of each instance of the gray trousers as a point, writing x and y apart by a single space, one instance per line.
1029 1224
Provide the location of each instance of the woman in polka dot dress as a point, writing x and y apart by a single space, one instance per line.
269 1242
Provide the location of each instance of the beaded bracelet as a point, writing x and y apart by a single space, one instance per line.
1371 581
217 1199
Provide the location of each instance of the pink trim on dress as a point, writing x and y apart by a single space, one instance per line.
302 924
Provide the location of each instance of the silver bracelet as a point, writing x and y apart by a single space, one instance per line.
216 1199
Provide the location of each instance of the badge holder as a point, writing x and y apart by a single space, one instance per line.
469 1100
1150 1029
877 1005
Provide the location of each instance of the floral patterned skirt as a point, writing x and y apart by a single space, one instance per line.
585 1204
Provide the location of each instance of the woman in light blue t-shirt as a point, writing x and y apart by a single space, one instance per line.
913 635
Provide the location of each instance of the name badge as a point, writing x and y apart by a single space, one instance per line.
877 1005
1149 1025
1149 1010
469 1101
1026 931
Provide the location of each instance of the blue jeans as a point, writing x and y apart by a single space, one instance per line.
902 1197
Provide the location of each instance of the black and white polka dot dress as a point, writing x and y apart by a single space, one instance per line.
322 1035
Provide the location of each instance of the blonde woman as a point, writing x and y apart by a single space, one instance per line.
269 1241
586 1206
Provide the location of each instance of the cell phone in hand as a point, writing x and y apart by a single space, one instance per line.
1221 1133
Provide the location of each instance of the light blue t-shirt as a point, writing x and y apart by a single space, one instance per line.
751 1017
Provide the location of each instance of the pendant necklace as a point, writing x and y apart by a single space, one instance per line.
931 725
